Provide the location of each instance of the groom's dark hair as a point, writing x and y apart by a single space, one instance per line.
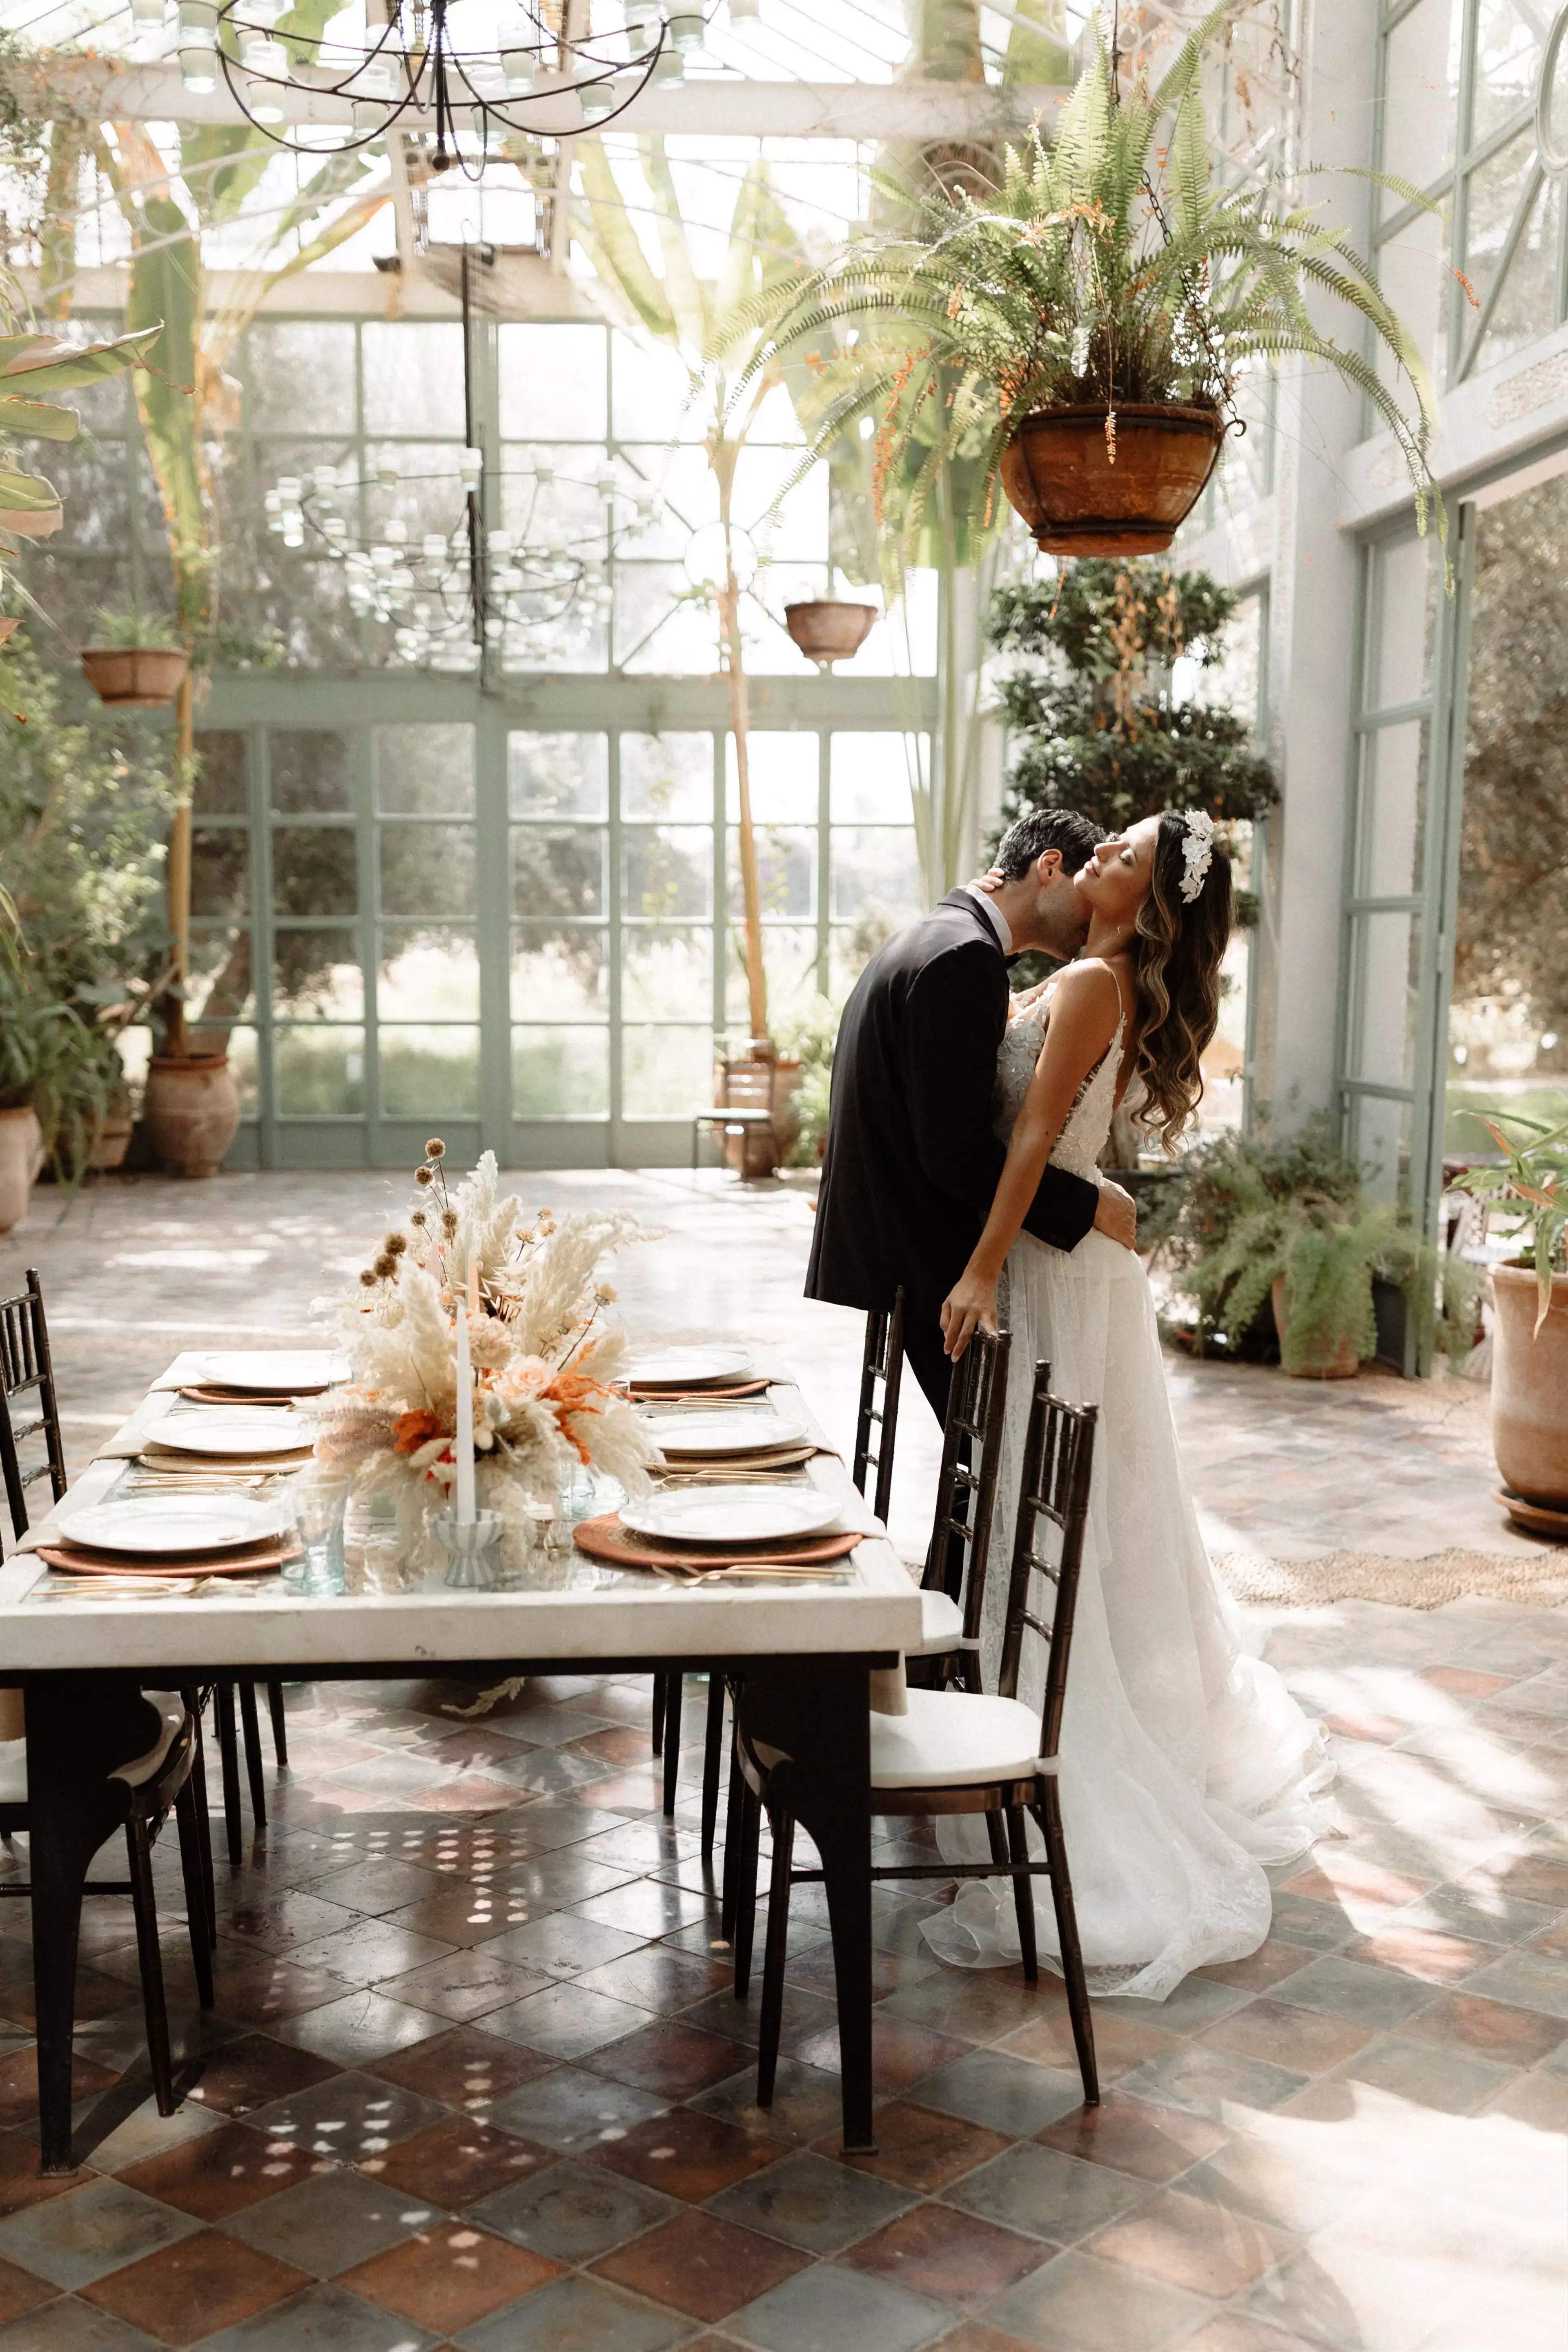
1043 829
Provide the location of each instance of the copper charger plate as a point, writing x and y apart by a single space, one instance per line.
204 1392
645 1395
605 1538
250 1560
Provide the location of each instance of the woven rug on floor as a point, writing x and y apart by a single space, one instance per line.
1539 1578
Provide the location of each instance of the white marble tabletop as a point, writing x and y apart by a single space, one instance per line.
51 1620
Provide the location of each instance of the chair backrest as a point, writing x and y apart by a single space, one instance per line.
882 1361
26 1369
971 1457
1058 1462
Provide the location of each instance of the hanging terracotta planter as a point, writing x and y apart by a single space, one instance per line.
827 631
1057 472
135 678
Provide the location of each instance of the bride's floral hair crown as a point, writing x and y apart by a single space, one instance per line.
1196 851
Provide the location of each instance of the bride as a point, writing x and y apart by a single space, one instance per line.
1186 1765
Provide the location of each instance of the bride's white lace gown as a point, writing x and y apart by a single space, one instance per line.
1185 1764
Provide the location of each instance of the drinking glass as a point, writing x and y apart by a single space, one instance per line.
319 1497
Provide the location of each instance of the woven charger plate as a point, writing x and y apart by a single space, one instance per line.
641 1395
605 1538
253 1559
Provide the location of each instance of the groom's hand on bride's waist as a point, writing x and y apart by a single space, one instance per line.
1117 1215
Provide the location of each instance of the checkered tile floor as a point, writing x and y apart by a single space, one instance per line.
475 2075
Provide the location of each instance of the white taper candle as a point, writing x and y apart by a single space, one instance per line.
464 1440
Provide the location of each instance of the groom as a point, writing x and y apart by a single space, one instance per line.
912 1161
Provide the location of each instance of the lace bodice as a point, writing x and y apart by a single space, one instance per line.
1083 1138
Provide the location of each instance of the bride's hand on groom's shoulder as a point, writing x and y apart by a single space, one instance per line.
989 883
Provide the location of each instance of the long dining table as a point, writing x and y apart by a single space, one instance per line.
810 1660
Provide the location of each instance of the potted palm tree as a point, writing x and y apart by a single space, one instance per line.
1075 337
1529 1354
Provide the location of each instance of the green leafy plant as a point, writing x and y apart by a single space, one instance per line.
84 812
128 626
1108 268
1091 715
32 367
1533 1177
1327 1252
811 1037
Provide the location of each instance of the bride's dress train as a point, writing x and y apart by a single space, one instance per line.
1186 1765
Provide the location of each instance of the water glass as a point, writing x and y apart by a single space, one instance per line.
319 1497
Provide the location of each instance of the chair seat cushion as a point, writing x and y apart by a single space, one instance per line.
954 1740
941 1626
171 1708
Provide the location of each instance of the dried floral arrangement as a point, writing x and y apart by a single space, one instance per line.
544 1346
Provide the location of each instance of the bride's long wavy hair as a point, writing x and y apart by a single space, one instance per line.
1176 952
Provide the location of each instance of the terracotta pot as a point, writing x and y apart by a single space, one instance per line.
746 1083
1530 1388
1057 472
190 1112
135 678
1343 1365
8 628
112 1139
830 632
21 1156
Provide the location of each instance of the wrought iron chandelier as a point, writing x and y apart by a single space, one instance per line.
450 596
449 63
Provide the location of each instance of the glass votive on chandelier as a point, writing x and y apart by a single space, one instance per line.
396 532
289 487
686 29
336 527
400 583
671 66
507 579
433 548
642 22
198 69
499 541
147 12
260 54
370 114
745 12
471 468
324 482
494 627
544 471
597 98
374 79
387 474
263 14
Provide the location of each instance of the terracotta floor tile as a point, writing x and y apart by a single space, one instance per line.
466 2069
222 2172
1120 2043
902 2053
195 2288
1539 2100
1530 1877
975 2006
1303 2039
702 2265
19 2084
1259 1970
657 1977
918 2148
20 2184
956 2258
1136 2136
464 1985
1463 1682
449 2276
20 2291
1424 1953
272 1989
456 2162
253 2071
687 2154
1491 2029
677 2060
974 2336
1187 2243
1234 2332
891 1972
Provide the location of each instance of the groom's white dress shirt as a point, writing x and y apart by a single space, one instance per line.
993 915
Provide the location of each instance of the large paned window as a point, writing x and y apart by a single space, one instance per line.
1488 270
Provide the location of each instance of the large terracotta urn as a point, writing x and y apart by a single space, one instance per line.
190 1113
1530 1388
21 1156
1085 490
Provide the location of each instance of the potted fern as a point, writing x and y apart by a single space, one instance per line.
138 662
1076 336
1530 1356
1315 1258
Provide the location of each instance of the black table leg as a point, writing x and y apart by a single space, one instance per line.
80 1727
818 1714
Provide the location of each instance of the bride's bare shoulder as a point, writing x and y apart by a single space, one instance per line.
1087 995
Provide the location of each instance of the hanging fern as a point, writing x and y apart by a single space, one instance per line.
1107 268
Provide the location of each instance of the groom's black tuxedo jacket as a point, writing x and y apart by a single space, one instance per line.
911 1161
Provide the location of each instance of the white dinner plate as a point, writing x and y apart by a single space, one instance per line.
688 1368
732 1515
231 1429
751 1429
303 1369
164 1524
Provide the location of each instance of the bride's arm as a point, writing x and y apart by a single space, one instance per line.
1084 1012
